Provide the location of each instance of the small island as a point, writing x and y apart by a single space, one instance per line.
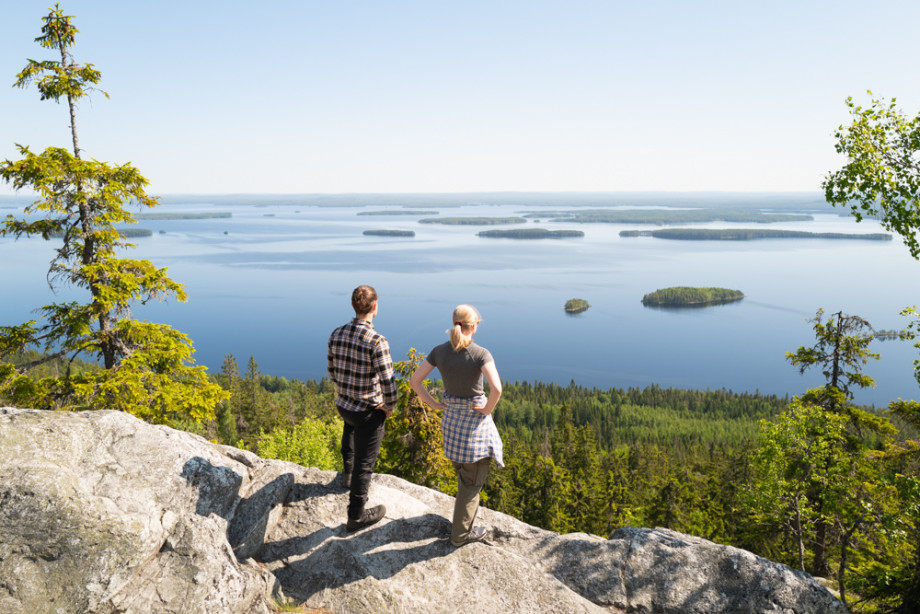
531 233
390 233
684 296
576 305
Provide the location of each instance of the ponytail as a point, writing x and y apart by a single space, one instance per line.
465 317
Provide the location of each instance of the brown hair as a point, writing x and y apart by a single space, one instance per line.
363 299
465 316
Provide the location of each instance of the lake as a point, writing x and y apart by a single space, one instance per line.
275 278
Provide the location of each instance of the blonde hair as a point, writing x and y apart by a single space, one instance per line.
465 317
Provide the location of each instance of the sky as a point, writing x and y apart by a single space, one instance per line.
371 96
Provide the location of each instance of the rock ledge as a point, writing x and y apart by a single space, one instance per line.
101 512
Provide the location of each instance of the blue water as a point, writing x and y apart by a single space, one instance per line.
273 280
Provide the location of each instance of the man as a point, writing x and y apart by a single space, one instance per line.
359 363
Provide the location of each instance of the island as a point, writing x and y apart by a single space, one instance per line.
747 234
684 296
133 233
531 233
398 212
576 305
886 334
668 216
182 216
473 221
390 233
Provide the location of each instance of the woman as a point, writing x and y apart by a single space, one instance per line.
470 437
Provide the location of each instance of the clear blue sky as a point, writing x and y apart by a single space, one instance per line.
323 96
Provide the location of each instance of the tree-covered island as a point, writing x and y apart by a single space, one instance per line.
668 216
390 233
473 221
887 334
398 212
531 233
133 233
182 216
576 305
747 234
685 296
126 233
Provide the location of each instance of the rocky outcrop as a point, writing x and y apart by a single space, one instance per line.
101 512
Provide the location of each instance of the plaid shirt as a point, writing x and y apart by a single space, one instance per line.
360 365
468 435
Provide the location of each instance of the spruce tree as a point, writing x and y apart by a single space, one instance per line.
144 368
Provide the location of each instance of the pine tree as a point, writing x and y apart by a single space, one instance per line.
814 460
146 369
840 351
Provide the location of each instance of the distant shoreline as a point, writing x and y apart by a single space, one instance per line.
766 200
747 234
389 233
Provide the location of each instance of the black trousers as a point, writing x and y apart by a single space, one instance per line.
361 438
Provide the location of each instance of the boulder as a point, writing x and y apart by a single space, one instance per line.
101 512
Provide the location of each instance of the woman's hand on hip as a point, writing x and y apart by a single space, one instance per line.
482 409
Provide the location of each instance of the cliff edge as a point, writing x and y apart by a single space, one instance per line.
101 512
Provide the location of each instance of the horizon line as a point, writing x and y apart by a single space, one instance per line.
422 193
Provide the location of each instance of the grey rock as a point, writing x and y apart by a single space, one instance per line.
101 512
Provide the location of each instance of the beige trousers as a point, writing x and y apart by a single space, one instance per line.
470 479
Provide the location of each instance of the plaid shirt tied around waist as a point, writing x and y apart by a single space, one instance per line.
359 363
468 435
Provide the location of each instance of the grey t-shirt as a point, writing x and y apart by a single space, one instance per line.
461 371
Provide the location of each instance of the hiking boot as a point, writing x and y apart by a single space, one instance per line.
346 481
368 517
477 534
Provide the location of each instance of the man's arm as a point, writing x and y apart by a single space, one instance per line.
383 365
330 361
